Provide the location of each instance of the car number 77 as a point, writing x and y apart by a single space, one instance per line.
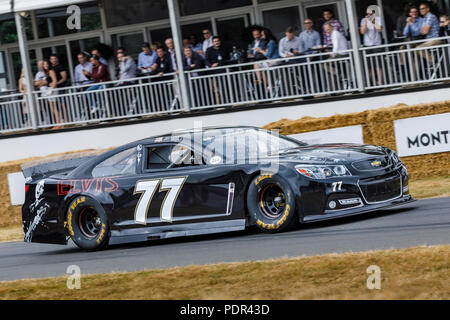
147 189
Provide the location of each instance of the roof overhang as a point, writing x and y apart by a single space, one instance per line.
7 6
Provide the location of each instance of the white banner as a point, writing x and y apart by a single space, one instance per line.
351 134
423 135
16 183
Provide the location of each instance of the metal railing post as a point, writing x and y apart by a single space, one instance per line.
176 33
23 45
355 39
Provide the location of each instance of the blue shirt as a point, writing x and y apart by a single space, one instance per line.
147 60
310 39
431 20
80 78
272 50
413 30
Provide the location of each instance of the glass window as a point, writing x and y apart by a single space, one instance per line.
132 43
8 30
279 19
160 35
60 51
195 29
121 13
188 7
53 21
122 163
17 63
169 156
233 32
82 45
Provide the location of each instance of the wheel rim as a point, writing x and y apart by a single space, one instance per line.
272 201
90 223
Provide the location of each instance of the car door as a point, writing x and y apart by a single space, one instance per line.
188 192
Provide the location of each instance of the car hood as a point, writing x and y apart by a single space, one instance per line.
332 153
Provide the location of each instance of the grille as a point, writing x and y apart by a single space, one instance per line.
366 165
381 189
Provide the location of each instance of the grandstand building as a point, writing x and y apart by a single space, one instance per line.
397 70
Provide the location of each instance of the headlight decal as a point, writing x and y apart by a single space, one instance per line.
323 171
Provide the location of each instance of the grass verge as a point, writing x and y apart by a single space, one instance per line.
11 233
415 273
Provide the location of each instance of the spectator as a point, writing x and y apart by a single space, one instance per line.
207 43
413 25
328 15
290 45
22 86
196 46
80 78
430 30
117 62
271 52
401 20
371 28
339 45
127 69
258 43
146 59
444 22
192 61
310 38
412 30
40 79
430 26
216 55
171 51
61 72
96 52
49 91
61 81
163 63
98 75
187 43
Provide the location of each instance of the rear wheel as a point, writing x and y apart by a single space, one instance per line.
271 203
87 224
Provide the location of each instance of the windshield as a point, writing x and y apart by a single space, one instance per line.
246 143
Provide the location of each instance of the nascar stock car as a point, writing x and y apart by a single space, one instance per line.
206 181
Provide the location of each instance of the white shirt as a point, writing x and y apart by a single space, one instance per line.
207 44
372 37
339 43
40 76
285 46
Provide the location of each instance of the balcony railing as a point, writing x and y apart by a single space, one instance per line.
272 80
406 63
386 66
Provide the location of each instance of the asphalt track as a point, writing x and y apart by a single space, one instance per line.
425 222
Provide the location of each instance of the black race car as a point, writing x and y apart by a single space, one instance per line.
206 181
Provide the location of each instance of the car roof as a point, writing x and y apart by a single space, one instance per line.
191 131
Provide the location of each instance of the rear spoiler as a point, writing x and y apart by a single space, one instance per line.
56 165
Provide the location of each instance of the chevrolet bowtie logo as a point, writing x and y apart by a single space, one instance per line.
376 164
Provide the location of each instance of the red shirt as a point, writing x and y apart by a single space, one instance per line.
100 73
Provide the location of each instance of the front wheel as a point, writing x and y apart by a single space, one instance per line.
87 224
271 204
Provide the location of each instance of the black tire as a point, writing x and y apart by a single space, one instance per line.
87 224
273 216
